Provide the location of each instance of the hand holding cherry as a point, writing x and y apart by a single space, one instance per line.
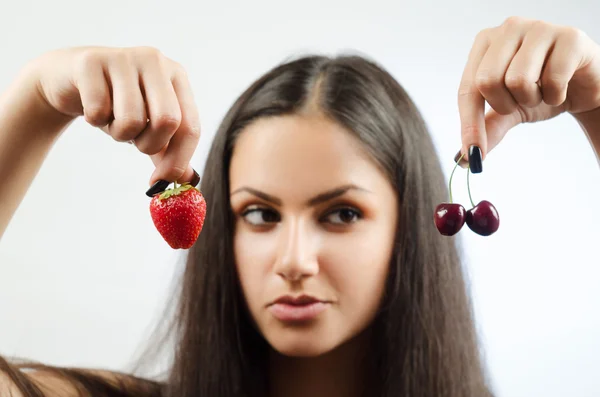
482 218
527 71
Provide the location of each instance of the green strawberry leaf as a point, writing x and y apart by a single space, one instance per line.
176 191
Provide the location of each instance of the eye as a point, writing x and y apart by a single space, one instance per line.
260 216
343 216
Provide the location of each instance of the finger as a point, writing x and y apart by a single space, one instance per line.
525 69
471 104
492 69
174 161
564 59
90 80
497 125
162 107
129 109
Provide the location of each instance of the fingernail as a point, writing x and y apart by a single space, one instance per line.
475 159
195 179
462 162
159 186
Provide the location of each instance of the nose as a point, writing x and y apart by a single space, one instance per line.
297 256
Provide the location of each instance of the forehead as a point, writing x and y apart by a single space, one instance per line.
299 154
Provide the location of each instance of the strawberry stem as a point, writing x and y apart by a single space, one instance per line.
469 187
451 175
177 190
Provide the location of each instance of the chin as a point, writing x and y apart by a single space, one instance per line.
301 342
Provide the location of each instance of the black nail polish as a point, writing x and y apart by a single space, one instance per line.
159 186
475 159
195 179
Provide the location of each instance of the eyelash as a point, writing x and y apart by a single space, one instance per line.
356 215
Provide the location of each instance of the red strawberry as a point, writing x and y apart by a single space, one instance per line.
178 215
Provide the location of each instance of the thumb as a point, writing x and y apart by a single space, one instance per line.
160 173
497 125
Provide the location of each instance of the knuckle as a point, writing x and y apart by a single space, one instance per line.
129 127
553 98
553 81
121 54
181 72
176 171
119 58
576 38
148 147
540 26
466 89
193 131
573 34
517 81
134 123
513 22
483 34
471 133
486 81
88 58
97 115
149 53
168 121
121 136
178 68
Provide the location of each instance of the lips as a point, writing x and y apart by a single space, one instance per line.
297 309
297 301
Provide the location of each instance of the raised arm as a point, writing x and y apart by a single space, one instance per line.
28 129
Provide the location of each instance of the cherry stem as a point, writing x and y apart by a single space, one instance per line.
451 175
469 187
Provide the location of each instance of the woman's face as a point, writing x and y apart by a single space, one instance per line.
315 218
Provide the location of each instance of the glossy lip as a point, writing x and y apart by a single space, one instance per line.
297 309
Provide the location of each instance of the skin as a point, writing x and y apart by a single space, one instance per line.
336 250
62 85
506 68
528 71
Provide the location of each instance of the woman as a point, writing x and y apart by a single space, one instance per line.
321 184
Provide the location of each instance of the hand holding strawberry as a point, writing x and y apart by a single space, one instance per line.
140 96
134 95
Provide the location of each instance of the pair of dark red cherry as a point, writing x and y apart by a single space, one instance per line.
482 218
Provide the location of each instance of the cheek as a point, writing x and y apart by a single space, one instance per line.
357 265
254 255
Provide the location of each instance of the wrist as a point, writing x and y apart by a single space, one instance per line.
590 122
590 119
25 101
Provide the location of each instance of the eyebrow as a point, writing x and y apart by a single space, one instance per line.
320 198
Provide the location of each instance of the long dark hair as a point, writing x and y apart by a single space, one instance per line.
424 338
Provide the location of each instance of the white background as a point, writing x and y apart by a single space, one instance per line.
84 274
